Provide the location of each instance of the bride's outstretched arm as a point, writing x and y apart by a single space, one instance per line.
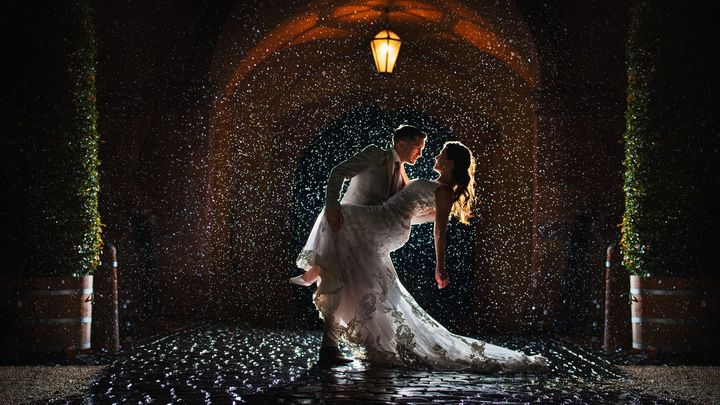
443 203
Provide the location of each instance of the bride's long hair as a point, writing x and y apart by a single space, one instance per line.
463 180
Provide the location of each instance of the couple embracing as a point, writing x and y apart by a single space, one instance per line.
347 254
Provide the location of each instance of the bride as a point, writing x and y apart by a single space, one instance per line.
359 292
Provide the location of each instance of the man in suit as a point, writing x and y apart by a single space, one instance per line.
375 174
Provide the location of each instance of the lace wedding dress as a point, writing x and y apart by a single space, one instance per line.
369 309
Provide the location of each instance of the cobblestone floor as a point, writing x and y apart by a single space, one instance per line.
222 364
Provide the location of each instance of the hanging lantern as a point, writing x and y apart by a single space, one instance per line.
385 48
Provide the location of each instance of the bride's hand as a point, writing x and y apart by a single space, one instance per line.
442 277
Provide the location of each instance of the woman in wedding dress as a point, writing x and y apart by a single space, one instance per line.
359 290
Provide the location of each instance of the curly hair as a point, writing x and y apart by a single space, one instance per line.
463 187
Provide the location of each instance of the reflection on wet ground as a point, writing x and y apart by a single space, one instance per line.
226 364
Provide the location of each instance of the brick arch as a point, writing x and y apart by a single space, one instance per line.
449 69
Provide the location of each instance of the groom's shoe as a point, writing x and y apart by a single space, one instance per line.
298 280
332 356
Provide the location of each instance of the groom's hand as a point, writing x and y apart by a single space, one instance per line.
334 218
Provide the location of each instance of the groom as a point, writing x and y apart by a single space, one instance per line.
375 174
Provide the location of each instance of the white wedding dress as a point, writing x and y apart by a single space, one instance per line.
370 310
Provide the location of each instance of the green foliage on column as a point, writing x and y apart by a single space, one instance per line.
85 234
52 156
671 144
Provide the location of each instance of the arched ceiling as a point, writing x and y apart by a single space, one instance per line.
495 28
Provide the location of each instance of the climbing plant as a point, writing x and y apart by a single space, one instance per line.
52 144
671 145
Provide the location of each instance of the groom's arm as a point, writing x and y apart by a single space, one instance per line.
371 155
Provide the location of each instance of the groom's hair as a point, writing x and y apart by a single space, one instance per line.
407 133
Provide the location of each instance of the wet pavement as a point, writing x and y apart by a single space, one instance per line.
225 364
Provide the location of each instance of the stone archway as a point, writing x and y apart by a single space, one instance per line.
472 69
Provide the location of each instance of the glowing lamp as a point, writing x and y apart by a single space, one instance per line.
385 48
